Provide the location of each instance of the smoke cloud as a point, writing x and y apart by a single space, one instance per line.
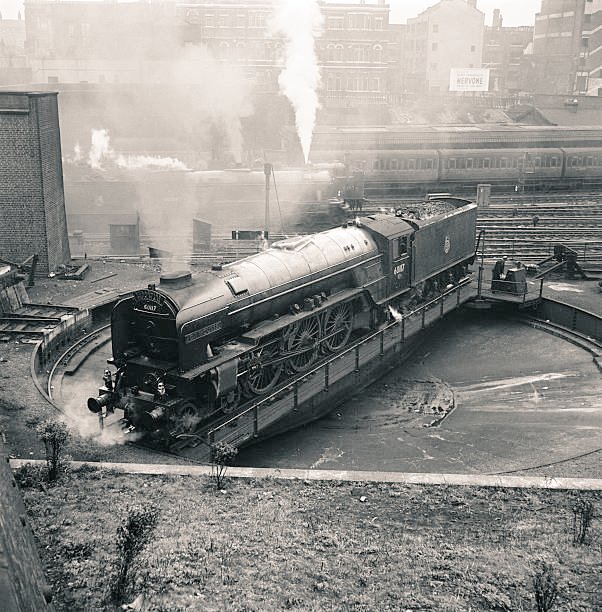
101 151
300 23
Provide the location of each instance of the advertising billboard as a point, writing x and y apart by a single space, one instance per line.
469 79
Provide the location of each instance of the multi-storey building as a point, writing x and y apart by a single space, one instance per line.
74 42
137 42
567 48
445 36
13 63
355 51
589 72
503 51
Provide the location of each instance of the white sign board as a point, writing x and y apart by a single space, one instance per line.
469 79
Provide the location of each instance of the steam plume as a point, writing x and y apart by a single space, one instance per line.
101 150
300 22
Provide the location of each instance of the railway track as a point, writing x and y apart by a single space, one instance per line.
33 319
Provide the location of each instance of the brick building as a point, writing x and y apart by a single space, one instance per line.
503 52
567 48
32 201
86 41
433 46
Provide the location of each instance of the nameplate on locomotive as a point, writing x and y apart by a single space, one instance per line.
204 331
150 302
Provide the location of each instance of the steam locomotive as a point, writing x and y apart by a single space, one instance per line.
195 346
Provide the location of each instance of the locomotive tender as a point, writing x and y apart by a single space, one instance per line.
199 345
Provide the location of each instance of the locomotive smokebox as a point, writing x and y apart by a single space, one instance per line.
176 280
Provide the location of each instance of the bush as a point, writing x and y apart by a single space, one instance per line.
132 537
54 434
583 512
29 476
545 585
222 456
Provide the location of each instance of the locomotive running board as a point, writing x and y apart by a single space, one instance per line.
266 328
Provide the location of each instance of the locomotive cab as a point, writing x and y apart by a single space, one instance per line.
394 236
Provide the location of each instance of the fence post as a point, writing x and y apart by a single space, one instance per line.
382 343
326 376
255 421
423 316
357 358
295 396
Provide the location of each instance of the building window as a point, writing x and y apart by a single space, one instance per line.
378 53
435 28
434 46
473 48
209 20
379 23
434 66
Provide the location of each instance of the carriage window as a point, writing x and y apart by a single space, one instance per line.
553 162
486 162
537 162
375 164
469 163
411 164
503 162
429 164
394 164
590 161
452 163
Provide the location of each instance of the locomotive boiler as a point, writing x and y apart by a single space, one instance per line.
197 345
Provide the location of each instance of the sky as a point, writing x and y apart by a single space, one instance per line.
515 12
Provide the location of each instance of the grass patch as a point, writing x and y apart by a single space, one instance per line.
264 545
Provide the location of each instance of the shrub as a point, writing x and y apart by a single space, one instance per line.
222 456
583 512
545 585
54 434
29 476
132 537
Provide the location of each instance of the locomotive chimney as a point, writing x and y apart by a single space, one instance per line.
176 280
